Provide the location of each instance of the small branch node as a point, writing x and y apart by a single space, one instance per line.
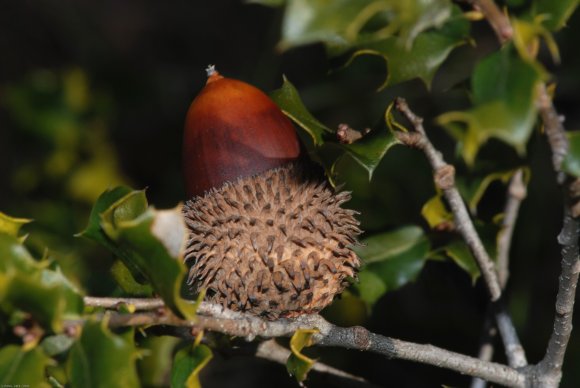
445 177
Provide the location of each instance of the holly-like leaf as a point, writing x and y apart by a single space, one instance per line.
391 260
24 368
188 362
154 243
424 57
127 282
289 101
56 344
555 13
149 242
342 24
571 163
504 89
103 359
298 365
27 285
368 151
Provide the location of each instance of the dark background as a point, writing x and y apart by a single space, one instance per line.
144 61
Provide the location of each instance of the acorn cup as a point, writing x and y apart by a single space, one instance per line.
265 236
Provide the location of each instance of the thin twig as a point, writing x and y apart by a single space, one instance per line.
516 193
273 351
215 318
498 20
445 179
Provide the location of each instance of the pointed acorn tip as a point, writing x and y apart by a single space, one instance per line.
212 74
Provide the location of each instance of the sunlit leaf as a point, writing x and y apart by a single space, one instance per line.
188 363
11 225
435 212
423 58
298 364
556 13
504 89
103 359
527 35
56 344
23 368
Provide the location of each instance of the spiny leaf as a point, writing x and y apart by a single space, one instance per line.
103 359
24 368
504 89
423 58
11 225
188 363
298 365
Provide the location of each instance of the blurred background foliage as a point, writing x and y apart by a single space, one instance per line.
93 94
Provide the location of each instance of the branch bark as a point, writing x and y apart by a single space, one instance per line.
445 179
215 318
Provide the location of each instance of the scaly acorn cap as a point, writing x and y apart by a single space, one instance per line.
277 244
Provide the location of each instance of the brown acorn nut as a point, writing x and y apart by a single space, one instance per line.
264 238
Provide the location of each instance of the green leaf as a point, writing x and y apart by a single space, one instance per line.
341 24
56 344
571 163
504 89
370 150
472 190
127 282
289 101
298 364
11 225
424 57
103 359
130 204
556 13
391 260
24 368
460 254
188 363
25 285
154 242
156 363
436 213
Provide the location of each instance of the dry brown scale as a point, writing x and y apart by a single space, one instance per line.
277 244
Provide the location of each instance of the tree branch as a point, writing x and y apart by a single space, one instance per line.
549 371
498 20
215 318
445 179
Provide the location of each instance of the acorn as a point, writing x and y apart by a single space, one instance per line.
266 235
